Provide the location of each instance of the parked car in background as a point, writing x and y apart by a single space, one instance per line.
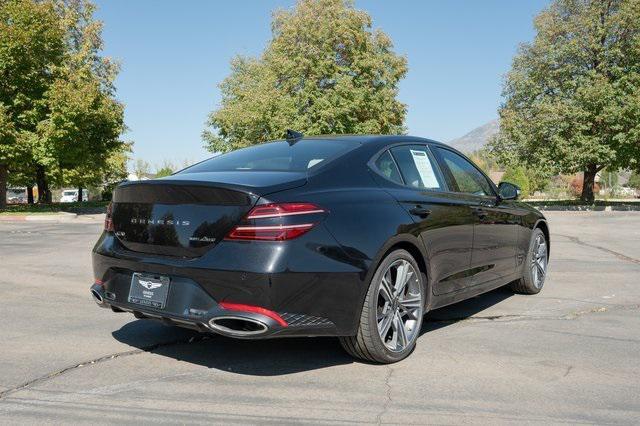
71 196
17 195
351 236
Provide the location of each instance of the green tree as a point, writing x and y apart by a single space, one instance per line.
572 97
116 171
167 169
31 44
518 176
484 159
58 93
7 140
82 130
85 121
324 71
141 168
634 180
609 179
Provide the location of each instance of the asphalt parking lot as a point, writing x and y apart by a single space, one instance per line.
569 354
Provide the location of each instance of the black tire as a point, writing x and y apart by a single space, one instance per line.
528 283
367 343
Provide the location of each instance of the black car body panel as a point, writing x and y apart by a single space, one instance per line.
177 227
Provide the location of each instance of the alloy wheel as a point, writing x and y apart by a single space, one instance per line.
400 306
539 261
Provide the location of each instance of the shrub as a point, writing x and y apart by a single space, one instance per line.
518 176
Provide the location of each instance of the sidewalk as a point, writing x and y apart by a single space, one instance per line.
52 217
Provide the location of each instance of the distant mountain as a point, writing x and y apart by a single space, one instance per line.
477 138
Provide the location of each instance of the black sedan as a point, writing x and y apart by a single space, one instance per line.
349 236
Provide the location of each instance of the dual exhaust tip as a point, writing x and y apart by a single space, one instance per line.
236 326
97 297
227 325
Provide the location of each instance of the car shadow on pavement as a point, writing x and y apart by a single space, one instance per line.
275 356
461 311
270 357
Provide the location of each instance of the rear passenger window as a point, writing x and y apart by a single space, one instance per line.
387 168
417 167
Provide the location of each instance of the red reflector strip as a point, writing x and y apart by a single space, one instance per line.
98 282
269 233
253 309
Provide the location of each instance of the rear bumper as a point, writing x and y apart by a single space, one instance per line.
232 323
315 292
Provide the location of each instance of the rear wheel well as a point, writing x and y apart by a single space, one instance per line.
413 251
419 258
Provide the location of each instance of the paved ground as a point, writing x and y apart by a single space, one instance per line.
569 354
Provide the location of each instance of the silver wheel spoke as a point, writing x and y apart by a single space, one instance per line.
410 313
385 289
393 343
384 311
402 333
410 305
543 251
402 277
411 301
385 324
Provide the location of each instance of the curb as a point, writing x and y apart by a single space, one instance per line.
57 217
614 208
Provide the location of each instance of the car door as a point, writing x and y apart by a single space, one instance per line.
495 225
445 221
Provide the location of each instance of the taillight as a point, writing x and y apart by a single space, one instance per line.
275 232
283 209
108 221
269 233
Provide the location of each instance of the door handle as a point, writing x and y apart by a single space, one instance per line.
481 213
420 211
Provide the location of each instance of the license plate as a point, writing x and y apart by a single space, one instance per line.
149 290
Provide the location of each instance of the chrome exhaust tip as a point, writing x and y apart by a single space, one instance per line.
236 326
97 297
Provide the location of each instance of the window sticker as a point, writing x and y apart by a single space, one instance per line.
425 169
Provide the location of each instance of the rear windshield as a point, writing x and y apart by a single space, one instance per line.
277 156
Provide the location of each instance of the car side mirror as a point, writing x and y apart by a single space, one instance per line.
508 191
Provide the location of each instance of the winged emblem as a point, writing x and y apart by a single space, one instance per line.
149 285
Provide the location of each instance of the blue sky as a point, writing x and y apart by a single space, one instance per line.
173 55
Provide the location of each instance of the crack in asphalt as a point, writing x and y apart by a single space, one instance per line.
501 318
388 399
60 372
617 254
515 317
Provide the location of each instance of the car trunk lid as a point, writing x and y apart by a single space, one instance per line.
185 215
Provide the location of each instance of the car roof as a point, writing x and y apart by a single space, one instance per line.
374 139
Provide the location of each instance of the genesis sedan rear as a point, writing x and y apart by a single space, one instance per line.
348 236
